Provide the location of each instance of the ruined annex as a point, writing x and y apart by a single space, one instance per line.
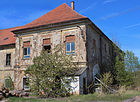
82 39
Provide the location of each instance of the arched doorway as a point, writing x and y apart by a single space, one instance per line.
96 70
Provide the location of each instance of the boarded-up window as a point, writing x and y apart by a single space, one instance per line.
109 50
70 38
47 41
94 43
26 44
7 83
105 48
94 46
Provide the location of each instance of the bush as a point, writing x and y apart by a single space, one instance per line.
107 80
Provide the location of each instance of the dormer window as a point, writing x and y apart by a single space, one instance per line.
26 50
5 38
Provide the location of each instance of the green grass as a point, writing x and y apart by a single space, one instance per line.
81 98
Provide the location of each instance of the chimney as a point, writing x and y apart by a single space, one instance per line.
72 5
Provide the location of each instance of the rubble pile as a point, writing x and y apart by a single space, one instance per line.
5 93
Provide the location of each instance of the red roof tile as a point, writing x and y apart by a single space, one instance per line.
7 37
60 14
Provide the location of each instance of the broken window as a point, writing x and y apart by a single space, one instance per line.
47 45
8 59
26 50
47 48
25 84
70 44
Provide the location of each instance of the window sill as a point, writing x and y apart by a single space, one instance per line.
71 54
26 58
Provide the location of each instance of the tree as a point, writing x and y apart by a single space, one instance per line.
131 61
126 65
123 77
132 65
51 73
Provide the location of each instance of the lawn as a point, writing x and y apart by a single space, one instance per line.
82 98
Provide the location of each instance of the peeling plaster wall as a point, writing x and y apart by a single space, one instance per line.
6 70
57 36
84 36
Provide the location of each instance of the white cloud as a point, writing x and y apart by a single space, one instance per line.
87 8
112 15
133 25
108 1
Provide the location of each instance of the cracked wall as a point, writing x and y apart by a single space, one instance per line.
57 36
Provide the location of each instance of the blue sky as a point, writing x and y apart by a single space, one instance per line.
118 19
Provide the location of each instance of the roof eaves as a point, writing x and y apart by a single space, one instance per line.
28 28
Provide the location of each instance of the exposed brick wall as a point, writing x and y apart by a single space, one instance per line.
26 44
46 41
70 38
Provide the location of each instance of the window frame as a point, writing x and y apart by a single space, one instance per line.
8 59
28 52
26 83
70 52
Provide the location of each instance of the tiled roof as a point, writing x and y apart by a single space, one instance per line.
7 37
60 14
